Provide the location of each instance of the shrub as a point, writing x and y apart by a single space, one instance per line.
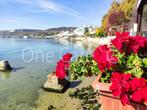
100 32
83 66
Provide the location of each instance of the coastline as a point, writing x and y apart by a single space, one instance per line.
94 40
89 40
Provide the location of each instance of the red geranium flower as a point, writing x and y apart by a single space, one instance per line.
67 57
139 89
63 65
128 44
120 40
60 70
120 86
104 57
135 43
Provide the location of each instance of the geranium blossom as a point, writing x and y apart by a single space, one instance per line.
120 41
139 89
104 57
127 88
60 70
63 65
67 57
120 86
128 44
135 43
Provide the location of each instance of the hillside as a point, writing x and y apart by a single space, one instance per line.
34 33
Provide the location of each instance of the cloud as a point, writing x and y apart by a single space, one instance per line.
48 6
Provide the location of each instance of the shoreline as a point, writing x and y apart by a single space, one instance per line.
95 40
46 98
100 40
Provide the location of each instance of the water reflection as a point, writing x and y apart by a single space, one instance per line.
5 75
85 44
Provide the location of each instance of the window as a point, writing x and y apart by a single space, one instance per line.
144 19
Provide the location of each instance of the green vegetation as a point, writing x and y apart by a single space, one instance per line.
88 97
131 64
83 66
100 32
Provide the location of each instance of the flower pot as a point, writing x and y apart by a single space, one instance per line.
109 102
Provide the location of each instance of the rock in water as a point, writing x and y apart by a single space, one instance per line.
4 65
56 85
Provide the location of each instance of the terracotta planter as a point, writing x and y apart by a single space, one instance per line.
109 102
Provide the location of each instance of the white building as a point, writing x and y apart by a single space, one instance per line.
81 30
65 34
92 29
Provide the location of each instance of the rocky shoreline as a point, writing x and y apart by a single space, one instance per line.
61 101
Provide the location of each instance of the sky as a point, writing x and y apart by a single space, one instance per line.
44 14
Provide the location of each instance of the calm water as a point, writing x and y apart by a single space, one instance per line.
31 60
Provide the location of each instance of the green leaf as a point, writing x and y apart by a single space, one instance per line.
83 66
144 60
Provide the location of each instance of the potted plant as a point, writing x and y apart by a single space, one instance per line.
62 68
123 80
57 81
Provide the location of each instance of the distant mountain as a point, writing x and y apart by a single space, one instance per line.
62 29
27 30
34 33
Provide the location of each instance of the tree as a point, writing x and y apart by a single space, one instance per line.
104 21
115 6
127 6
116 18
123 9
100 32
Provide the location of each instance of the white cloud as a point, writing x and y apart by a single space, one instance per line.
48 6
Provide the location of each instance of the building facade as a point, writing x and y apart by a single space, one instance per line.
141 17
80 31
